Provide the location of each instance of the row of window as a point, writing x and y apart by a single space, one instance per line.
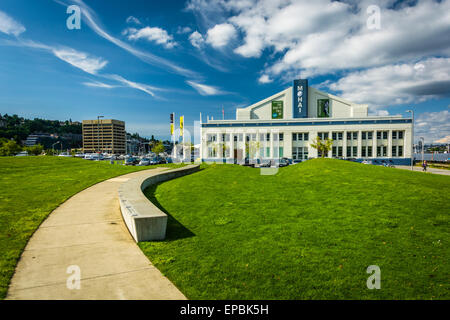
336 136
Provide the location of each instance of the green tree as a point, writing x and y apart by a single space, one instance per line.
322 146
35 150
10 148
158 147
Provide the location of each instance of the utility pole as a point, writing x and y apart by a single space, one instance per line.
412 138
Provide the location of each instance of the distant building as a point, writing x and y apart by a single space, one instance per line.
104 135
132 144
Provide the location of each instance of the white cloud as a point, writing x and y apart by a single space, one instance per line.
152 34
183 30
310 38
136 85
265 79
397 83
203 89
10 26
98 84
196 39
433 126
134 20
443 140
89 16
80 60
220 35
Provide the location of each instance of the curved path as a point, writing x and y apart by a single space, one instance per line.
88 231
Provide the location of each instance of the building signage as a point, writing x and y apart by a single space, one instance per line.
277 109
323 108
300 98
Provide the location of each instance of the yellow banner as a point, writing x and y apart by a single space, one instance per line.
181 125
171 128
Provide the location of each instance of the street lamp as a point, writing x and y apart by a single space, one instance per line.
53 146
423 143
412 138
98 132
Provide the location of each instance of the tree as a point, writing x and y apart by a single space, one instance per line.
322 147
158 147
35 150
10 148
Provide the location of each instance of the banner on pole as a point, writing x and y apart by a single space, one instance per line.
181 125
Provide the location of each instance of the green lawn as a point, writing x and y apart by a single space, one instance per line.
31 187
309 232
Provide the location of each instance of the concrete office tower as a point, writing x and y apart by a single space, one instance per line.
286 123
104 135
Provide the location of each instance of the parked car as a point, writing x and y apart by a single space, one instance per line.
22 154
366 162
144 162
284 162
131 161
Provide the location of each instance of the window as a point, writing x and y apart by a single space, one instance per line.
394 134
268 137
378 151
349 136
363 151
349 151
394 150
211 137
369 151
267 152
323 135
261 137
355 151
369 135
400 134
363 135
378 135
385 134
211 152
275 136
225 137
334 151
384 151
241 137
339 151
333 136
336 135
235 138
281 136
280 152
400 150
355 135
294 137
306 136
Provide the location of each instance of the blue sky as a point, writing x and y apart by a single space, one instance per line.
138 61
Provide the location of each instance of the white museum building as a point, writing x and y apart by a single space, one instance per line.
285 124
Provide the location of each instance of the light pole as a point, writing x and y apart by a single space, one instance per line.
53 146
412 138
98 133
423 145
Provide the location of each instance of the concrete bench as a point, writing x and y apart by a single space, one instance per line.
144 220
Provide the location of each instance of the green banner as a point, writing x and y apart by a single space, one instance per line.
277 109
323 108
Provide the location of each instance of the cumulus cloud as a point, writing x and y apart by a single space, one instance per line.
396 83
196 39
80 60
183 30
152 34
264 79
433 126
220 35
10 26
203 89
319 37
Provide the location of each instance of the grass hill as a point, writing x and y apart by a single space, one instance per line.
308 232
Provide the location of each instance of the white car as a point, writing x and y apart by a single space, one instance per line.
144 162
22 154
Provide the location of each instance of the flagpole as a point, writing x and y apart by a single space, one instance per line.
173 137
184 156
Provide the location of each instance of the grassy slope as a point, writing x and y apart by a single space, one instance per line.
308 232
31 187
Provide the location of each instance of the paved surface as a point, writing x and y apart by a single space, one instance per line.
430 170
88 231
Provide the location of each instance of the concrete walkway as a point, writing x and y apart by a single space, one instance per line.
88 231
430 170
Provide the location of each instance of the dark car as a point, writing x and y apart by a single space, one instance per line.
284 162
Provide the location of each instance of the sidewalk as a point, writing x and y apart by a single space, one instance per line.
88 231
430 170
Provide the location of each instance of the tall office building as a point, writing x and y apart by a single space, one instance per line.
104 135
